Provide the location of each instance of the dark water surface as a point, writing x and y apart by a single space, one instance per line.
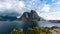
7 26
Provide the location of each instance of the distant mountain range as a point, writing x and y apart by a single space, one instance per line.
27 16
8 18
56 21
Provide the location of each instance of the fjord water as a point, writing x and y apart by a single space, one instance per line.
7 26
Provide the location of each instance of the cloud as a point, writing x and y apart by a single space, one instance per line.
46 8
54 16
51 15
8 7
19 6
5 6
53 0
53 11
57 2
12 6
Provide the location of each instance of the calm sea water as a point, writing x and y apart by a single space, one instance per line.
7 26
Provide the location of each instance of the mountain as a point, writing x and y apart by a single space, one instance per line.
56 21
25 16
31 16
7 18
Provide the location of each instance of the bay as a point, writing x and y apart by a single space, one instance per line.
7 26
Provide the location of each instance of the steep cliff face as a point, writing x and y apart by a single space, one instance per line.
32 16
25 16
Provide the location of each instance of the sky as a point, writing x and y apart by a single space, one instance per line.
47 9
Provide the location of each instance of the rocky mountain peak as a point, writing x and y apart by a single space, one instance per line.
32 16
32 11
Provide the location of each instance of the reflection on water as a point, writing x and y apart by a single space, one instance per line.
7 26
29 24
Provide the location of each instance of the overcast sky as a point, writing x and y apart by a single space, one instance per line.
48 9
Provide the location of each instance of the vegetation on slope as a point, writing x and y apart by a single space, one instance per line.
34 30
